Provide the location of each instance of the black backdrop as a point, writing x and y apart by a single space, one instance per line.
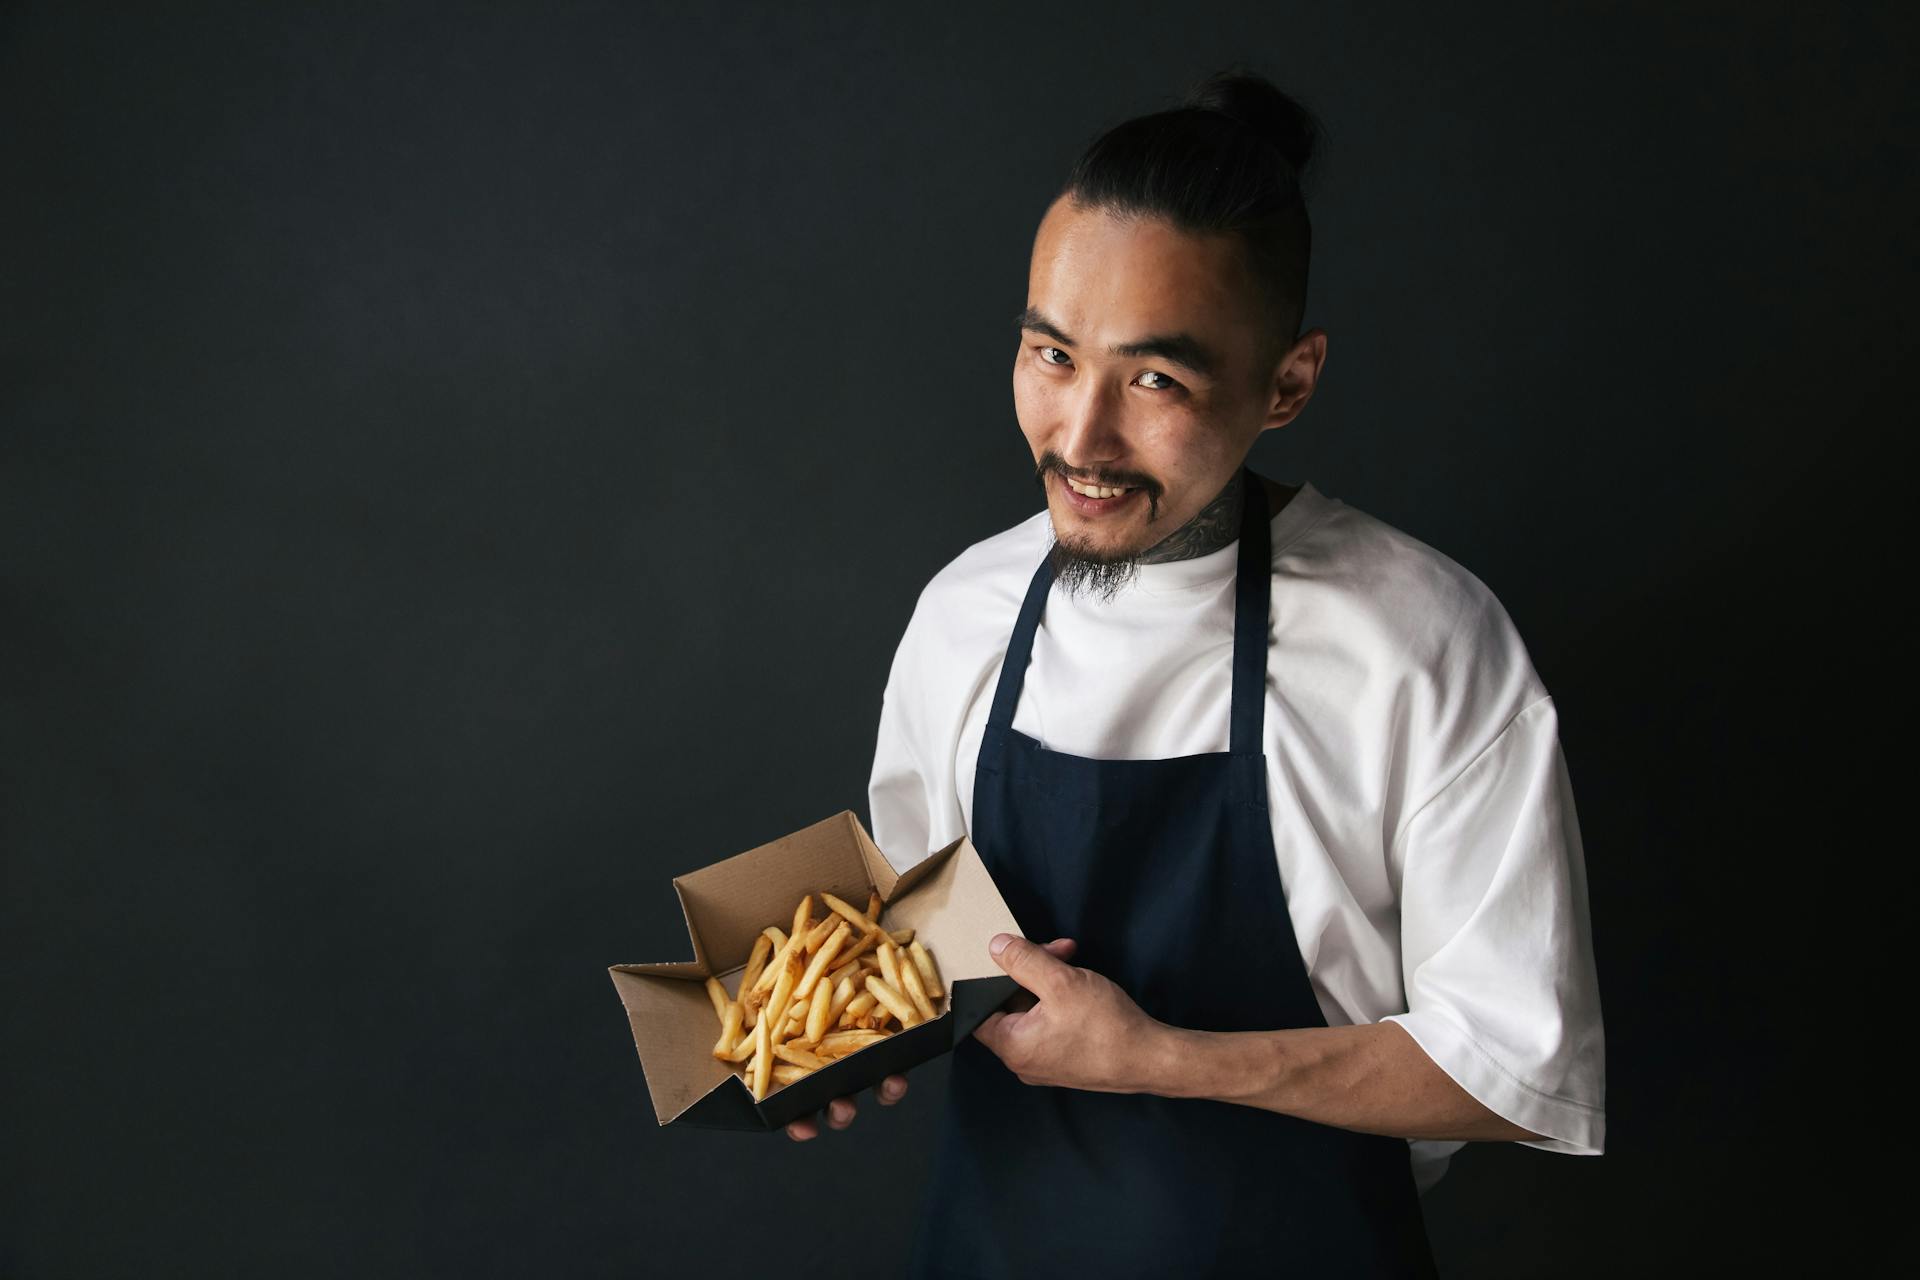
465 465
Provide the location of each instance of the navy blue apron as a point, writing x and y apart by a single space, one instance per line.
1164 872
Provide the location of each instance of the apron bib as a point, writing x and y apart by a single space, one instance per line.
1164 873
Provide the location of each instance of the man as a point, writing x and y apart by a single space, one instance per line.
1272 785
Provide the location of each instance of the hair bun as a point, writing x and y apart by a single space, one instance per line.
1258 104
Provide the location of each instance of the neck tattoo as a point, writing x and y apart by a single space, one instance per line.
1217 524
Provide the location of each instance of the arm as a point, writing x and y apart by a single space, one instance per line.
1076 1029
1500 977
1373 1078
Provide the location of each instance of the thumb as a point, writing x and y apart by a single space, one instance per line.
1033 967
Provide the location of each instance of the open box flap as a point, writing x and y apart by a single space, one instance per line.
727 903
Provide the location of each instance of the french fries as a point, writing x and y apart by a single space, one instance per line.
813 994
923 961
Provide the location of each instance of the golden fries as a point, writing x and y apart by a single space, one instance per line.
821 959
762 948
851 958
762 1060
821 932
811 994
898 1005
782 992
817 1014
729 1031
851 912
799 1057
929 976
916 990
839 1044
844 994
785 947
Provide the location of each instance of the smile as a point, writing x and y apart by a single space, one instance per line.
1096 499
1094 491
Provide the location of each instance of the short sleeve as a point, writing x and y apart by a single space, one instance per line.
1496 943
896 787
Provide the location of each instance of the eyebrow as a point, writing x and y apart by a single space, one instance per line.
1182 349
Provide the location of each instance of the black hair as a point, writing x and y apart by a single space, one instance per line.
1230 159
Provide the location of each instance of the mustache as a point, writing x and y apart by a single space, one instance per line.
1053 462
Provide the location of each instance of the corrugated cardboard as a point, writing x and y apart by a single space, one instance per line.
948 900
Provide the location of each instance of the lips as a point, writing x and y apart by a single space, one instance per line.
1097 491
1089 506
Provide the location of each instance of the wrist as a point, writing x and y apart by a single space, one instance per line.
1251 1067
1169 1061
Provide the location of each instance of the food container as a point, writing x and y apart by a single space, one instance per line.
948 900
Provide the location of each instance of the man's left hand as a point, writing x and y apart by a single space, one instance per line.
1077 1029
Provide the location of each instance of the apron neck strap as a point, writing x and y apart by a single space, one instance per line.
1252 599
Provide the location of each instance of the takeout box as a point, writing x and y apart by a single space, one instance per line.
948 900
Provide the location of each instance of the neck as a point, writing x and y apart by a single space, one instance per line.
1217 524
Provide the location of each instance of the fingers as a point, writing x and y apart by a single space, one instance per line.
1022 999
1034 966
841 1111
993 1033
891 1090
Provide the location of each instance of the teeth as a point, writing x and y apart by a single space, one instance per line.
1093 491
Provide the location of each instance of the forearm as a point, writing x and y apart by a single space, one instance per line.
1374 1078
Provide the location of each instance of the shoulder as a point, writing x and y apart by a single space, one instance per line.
1393 594
1409 640
989 572
967 607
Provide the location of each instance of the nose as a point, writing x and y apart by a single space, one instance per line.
1090 433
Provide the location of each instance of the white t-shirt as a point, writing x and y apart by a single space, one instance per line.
1422 814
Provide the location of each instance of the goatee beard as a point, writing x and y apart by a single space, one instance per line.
1078 566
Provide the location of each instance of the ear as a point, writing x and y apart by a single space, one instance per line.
1294 379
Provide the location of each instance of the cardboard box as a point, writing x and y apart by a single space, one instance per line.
948 900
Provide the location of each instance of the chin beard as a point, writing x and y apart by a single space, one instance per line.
1079 567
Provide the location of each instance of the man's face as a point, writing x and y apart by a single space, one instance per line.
1137 369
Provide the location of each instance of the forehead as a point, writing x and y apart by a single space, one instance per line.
1110 279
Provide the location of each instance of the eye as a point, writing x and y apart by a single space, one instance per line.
1043 355
1155 373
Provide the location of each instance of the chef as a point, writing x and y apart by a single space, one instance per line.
1270 786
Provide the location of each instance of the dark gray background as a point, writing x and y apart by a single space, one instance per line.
463 466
